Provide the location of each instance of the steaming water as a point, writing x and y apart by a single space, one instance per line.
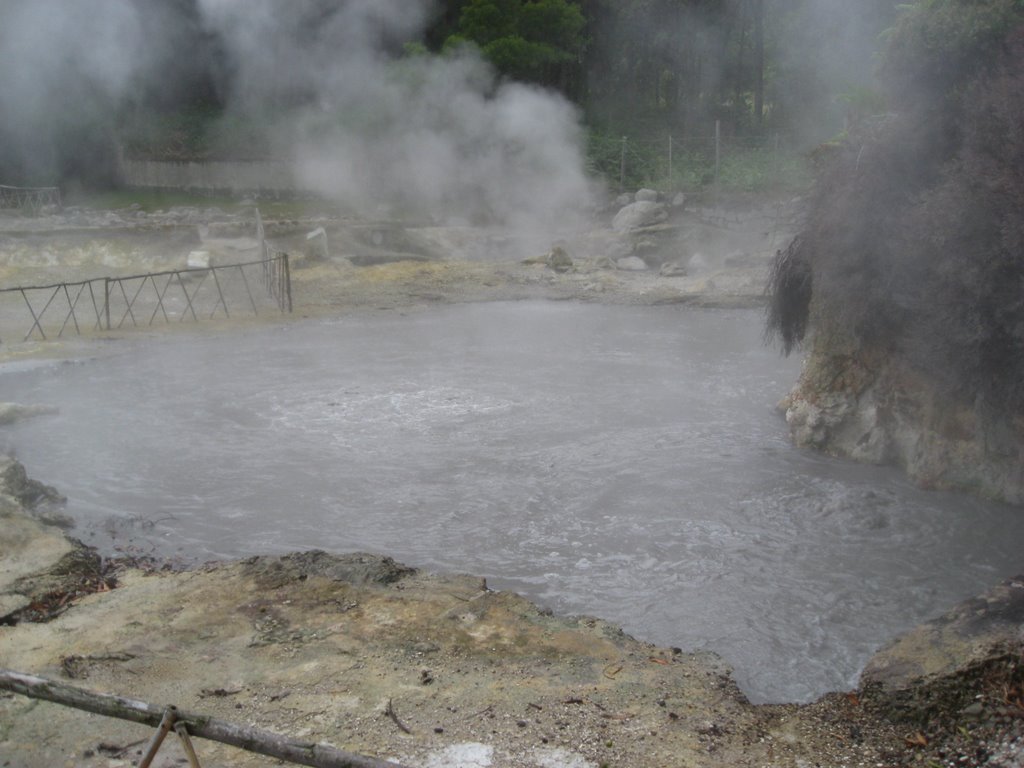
622 462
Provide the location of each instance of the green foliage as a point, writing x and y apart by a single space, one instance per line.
936 43
762 169
530 41
484 21
744 167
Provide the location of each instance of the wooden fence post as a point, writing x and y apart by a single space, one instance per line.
622 167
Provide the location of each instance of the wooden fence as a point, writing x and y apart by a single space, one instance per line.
176 295
113 303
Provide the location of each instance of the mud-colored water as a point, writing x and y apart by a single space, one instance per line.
620 461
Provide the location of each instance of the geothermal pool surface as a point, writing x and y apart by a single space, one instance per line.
618 461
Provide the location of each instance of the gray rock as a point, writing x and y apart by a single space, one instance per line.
631 264
559 260
646 196
679 201
12 412
672 269
639 215
15 482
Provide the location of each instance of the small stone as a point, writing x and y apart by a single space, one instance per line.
973 710
631 264
559 260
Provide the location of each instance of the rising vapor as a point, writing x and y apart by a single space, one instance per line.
392 134
67 65
379 129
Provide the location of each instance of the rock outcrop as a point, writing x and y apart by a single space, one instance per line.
879 410
14 412
949 668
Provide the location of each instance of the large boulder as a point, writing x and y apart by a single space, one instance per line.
639 215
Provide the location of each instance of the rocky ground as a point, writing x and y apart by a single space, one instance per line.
434 669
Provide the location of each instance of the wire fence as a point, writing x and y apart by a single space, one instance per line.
30 200
177 295
692 163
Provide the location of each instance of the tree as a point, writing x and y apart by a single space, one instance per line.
538 41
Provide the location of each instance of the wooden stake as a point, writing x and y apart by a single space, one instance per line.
158 738
186 743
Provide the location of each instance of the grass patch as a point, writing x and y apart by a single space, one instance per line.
748 167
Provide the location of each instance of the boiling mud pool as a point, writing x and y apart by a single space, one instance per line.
617 461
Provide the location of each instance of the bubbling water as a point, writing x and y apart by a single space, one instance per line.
625 462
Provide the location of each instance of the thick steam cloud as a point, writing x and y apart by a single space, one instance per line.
388 134
328 85
67 66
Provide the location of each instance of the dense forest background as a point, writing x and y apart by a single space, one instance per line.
766 73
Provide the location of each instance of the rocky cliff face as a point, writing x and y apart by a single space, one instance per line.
878 409
908 274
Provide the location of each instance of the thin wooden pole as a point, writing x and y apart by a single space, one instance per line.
250 739
35 320
287 282
186 744
718 149
669 186
622 167
162 729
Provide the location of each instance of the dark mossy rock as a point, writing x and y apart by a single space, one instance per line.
357 568
29 493
941 668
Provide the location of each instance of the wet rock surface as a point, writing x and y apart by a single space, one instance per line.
879 410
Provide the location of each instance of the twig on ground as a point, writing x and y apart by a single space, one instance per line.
390 712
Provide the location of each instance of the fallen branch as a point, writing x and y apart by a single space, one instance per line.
249 739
